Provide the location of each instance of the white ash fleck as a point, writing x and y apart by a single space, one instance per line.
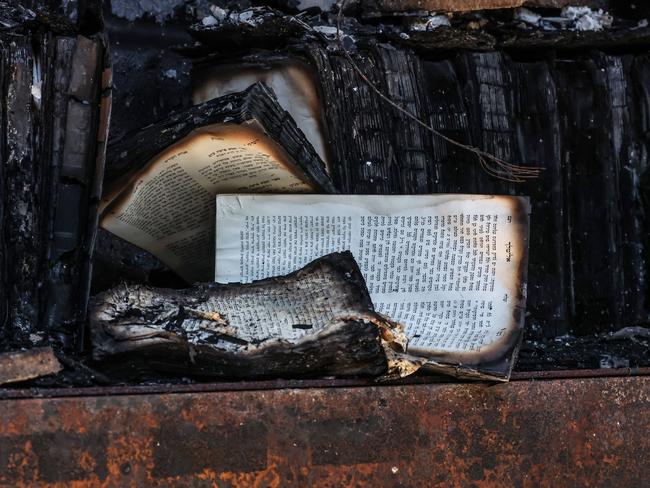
218 13
329 31
430 23
612 362
404 35
170 73
571 18
36 92
35 338
587 19
209 20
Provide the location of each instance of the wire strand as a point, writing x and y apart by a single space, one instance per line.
491 164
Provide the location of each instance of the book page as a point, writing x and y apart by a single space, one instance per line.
167 208
292 82
451 268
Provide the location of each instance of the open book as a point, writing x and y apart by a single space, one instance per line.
243 142
450 268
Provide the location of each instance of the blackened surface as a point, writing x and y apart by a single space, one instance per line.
538 143
150 78
593 242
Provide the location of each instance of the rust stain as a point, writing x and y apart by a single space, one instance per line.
568 432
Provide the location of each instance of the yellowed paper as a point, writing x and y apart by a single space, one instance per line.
291 81
168 207
451 268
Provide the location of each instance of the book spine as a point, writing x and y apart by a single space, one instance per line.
22 236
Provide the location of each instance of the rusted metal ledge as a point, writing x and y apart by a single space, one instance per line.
169 388
567 432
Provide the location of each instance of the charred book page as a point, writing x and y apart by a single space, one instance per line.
317 321
243 142
451 268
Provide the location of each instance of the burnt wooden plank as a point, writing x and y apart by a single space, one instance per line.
376 148
487 84
593 254
73 171
538 143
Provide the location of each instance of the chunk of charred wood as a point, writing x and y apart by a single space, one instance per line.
4 288
627 37
317 321
17 366
443 39
254 27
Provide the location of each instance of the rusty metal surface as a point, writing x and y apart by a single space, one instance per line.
160 388
469 5
569 432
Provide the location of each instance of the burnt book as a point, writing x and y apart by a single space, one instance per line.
55 93
451 268
317 321
163 202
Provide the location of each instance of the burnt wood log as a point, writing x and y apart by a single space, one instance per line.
317 321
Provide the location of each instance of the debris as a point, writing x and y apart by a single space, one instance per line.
33 363
612 362
586 19
527 16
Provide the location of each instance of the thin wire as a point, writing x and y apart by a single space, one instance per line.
500 168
